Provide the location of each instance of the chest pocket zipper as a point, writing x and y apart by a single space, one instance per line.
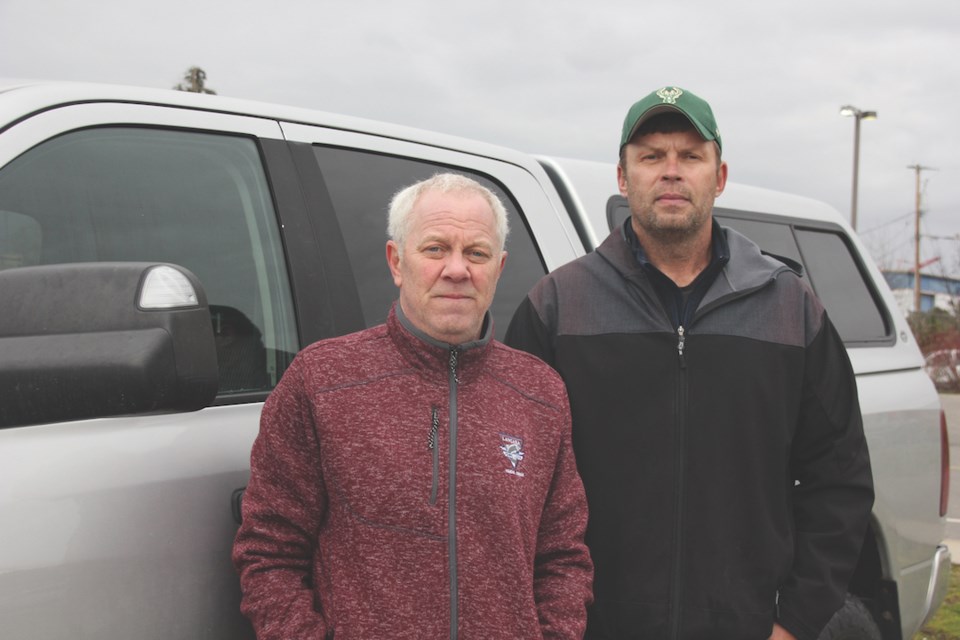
435 453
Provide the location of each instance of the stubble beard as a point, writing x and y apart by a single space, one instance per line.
670 228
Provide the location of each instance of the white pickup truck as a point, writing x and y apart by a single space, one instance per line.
163 255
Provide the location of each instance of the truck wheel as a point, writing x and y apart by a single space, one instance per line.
852 622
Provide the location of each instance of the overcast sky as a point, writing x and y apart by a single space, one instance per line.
557 78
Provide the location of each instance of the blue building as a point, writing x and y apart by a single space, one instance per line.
936 292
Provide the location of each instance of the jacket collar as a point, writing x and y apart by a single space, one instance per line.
431 355
719 249
746 270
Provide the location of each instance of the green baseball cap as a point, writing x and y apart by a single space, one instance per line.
667 99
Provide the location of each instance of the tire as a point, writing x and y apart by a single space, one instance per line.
852 622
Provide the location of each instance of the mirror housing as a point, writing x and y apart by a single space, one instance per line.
91 340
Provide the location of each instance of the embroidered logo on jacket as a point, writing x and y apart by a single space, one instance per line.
512 448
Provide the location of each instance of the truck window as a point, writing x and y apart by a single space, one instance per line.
774 238
841 285
830 267
19 240
361 185
194 199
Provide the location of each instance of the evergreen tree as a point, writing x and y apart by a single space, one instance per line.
194 81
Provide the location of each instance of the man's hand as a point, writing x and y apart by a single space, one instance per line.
779 633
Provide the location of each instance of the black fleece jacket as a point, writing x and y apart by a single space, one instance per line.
725 464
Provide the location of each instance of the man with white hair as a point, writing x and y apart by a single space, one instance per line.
416 479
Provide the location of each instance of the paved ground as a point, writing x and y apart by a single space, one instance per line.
951 405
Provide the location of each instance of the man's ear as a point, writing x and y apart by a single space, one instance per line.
721 178
393 261
621 180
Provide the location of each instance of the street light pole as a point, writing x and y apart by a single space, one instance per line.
857 115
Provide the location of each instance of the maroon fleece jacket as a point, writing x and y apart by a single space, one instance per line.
401 488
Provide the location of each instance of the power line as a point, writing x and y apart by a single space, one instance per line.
886 224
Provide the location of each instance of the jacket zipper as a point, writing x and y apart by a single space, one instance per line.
677 590
453 382
435 452
681 341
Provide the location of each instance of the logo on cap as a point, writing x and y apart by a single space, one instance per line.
669 95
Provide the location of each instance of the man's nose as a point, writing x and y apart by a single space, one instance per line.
455 267
671 167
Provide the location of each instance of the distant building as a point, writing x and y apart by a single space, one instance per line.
936 292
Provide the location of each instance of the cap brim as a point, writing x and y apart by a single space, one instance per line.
660 109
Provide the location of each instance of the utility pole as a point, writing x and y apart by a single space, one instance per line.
917 168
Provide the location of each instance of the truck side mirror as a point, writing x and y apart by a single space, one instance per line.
98 339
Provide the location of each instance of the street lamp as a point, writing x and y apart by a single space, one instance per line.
857 115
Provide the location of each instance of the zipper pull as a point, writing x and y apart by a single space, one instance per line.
681 334
454 356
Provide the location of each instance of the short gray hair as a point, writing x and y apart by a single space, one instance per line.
403 202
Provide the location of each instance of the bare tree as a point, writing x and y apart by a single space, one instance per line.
194 81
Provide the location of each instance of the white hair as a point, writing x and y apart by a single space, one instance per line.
403 202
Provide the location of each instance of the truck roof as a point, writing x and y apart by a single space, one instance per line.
22 98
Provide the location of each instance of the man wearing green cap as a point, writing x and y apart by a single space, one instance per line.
715 416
